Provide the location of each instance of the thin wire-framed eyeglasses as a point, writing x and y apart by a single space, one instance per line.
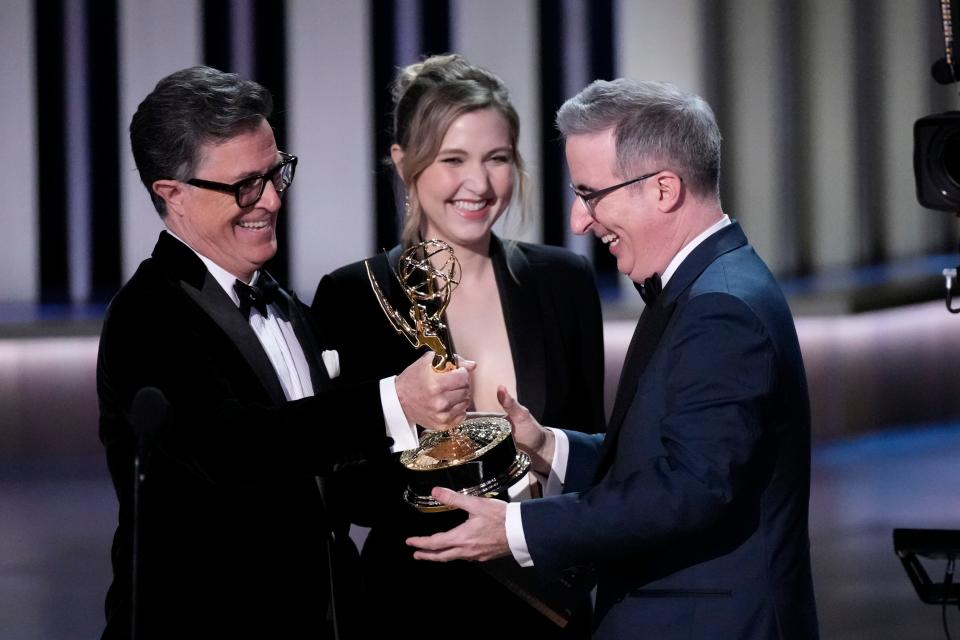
588 199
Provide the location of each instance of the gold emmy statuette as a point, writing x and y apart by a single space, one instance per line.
478 456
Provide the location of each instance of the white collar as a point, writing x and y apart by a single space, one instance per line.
690 246
223 277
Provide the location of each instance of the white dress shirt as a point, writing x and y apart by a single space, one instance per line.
286 355
275 334
558 466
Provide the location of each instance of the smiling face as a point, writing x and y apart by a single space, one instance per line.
639 232
469 184
239 240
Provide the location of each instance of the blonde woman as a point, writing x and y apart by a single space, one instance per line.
527 314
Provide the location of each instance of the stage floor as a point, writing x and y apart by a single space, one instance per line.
57 519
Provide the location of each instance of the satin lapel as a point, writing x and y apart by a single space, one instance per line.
522 315
179 262
312 350
653 322
386 272
384 268
214 301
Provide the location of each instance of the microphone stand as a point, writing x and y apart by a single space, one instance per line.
331 561
148 414
139 475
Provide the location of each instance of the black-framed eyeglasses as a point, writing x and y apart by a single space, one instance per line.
248 191
589 198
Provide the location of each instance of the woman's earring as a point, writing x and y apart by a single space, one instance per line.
406 203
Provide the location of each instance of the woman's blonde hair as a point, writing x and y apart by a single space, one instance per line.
428 96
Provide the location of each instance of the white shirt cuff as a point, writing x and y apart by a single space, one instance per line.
553 484
521 489
515 537
399 428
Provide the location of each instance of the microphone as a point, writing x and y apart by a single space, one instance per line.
148 414
944 72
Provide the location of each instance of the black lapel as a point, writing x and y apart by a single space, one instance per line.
384 268
653 322
309 343
385 271
179 260
522 314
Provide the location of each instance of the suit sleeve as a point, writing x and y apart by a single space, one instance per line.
720 364
379 479
582 460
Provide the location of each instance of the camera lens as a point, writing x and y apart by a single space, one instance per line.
950 157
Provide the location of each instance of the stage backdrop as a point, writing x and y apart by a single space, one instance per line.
816 100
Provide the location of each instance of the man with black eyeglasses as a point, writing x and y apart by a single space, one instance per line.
692 507
226 533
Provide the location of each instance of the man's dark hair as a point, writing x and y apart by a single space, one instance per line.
185 110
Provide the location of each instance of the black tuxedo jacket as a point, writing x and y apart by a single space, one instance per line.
233 529
553 321
694 506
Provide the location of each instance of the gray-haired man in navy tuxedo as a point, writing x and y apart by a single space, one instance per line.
693 506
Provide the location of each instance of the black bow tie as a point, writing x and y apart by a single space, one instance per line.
257 296
650 288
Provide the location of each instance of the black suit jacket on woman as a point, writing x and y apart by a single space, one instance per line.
553 321
233 530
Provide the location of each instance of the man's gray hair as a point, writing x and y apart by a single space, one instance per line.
656 126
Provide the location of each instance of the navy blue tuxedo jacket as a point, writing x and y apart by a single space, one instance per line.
693 507
233 527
